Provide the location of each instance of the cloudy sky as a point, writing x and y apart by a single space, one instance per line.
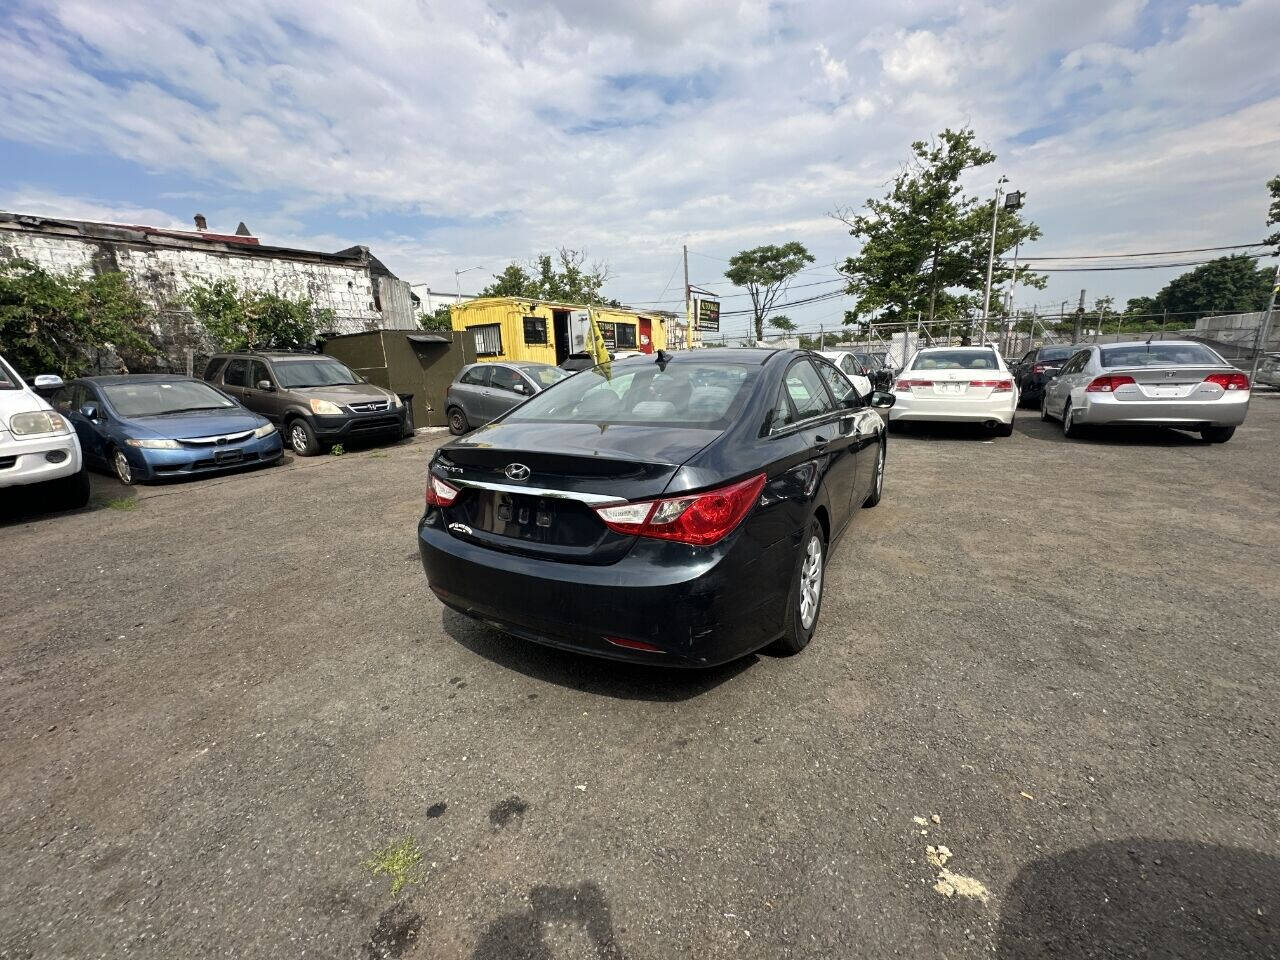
449 135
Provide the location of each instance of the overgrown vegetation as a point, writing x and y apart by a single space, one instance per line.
64 324
399 862
438 319
239 319
564 277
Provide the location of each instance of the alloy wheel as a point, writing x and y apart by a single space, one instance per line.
811 582
880 472
298 438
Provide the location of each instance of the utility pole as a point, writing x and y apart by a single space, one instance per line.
1265 331
991 258
688 311
1097 331
1079 320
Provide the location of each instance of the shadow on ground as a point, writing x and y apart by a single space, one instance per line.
1144 898
929 430
605 678
1051 430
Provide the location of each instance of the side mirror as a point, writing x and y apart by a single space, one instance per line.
520 388
882 401
47 381
89 410
266 385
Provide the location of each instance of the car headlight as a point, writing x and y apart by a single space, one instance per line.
325 408
266 430
395 402
153 444
41 421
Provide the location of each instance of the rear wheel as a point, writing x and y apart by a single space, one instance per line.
303 439
1218 434
1004 429
457 421
71 493
877 484
806 593
1070 428
1044 408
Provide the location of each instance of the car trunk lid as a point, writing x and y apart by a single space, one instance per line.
955 384
1167 382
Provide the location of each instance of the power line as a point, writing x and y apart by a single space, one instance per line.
1142 266
1149 253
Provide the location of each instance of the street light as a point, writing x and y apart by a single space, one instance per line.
457 274
991 257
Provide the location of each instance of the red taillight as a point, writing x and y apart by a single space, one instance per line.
908 384
1108 383
997 386
439 493
1229 381
634 644
699 518
1038 368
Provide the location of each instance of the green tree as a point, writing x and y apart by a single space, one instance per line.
238 319
925 245
438 319
564 277
783 323
765 272
56 323
1234 284
1273 215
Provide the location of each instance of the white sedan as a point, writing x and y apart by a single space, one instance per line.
848 364
957 385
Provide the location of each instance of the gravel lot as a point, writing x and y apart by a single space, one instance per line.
221 705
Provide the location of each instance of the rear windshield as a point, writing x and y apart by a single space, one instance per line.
1159 355
151 398
313 372
689 394
956 360
1056 353
545 376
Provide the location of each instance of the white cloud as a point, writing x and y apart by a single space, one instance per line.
919 57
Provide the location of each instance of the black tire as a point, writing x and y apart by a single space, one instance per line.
1004 429
1070 429
458 424
302 438
877 481
1044 408
122 468
797 635
70 493
1218 434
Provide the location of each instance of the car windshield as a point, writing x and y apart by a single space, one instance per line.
153 398
956 360
1159 355
8 379
1055 353
313 372
687 394
545 376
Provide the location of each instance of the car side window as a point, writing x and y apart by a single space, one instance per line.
849 365
258 372
1078 361
62 400
214 367
477 376
839 384
504 378
237 373
804 386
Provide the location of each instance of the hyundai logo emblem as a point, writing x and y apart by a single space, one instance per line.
517 471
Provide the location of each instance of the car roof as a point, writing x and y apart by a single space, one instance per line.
989 348
138 378
271 354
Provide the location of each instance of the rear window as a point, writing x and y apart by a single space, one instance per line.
689 394
956 360
1056 353
1159 355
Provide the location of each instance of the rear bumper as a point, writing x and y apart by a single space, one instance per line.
1227 411
353 426
909 407
160 464
700 606
38 460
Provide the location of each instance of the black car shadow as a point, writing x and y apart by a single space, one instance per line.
1051 430
1144 898
36 502
937 430
606 678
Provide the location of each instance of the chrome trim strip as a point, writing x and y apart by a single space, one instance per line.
591 499
229 437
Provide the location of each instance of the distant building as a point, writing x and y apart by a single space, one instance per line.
163 263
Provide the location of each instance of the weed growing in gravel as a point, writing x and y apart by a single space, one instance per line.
122 503
399 862
377 455
338 450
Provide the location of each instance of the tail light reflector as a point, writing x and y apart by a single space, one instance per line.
1229 381
439 493
997 386
1108 383
700 519
908 384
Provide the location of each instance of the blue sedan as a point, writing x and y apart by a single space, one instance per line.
148 427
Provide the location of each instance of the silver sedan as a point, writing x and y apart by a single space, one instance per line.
1167 383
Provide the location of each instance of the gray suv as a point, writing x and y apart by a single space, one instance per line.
314 400
485 391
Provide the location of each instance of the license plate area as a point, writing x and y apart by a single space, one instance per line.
536 520
949 388
228 456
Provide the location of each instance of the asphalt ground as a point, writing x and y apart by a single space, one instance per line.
233 713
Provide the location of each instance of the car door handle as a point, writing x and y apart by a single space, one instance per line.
820 444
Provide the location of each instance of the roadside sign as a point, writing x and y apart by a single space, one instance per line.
706 314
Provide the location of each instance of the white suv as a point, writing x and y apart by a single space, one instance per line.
37 445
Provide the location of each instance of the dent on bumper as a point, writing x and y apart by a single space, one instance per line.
24 461
697 613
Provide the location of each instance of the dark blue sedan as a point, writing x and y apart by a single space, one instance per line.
148 427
